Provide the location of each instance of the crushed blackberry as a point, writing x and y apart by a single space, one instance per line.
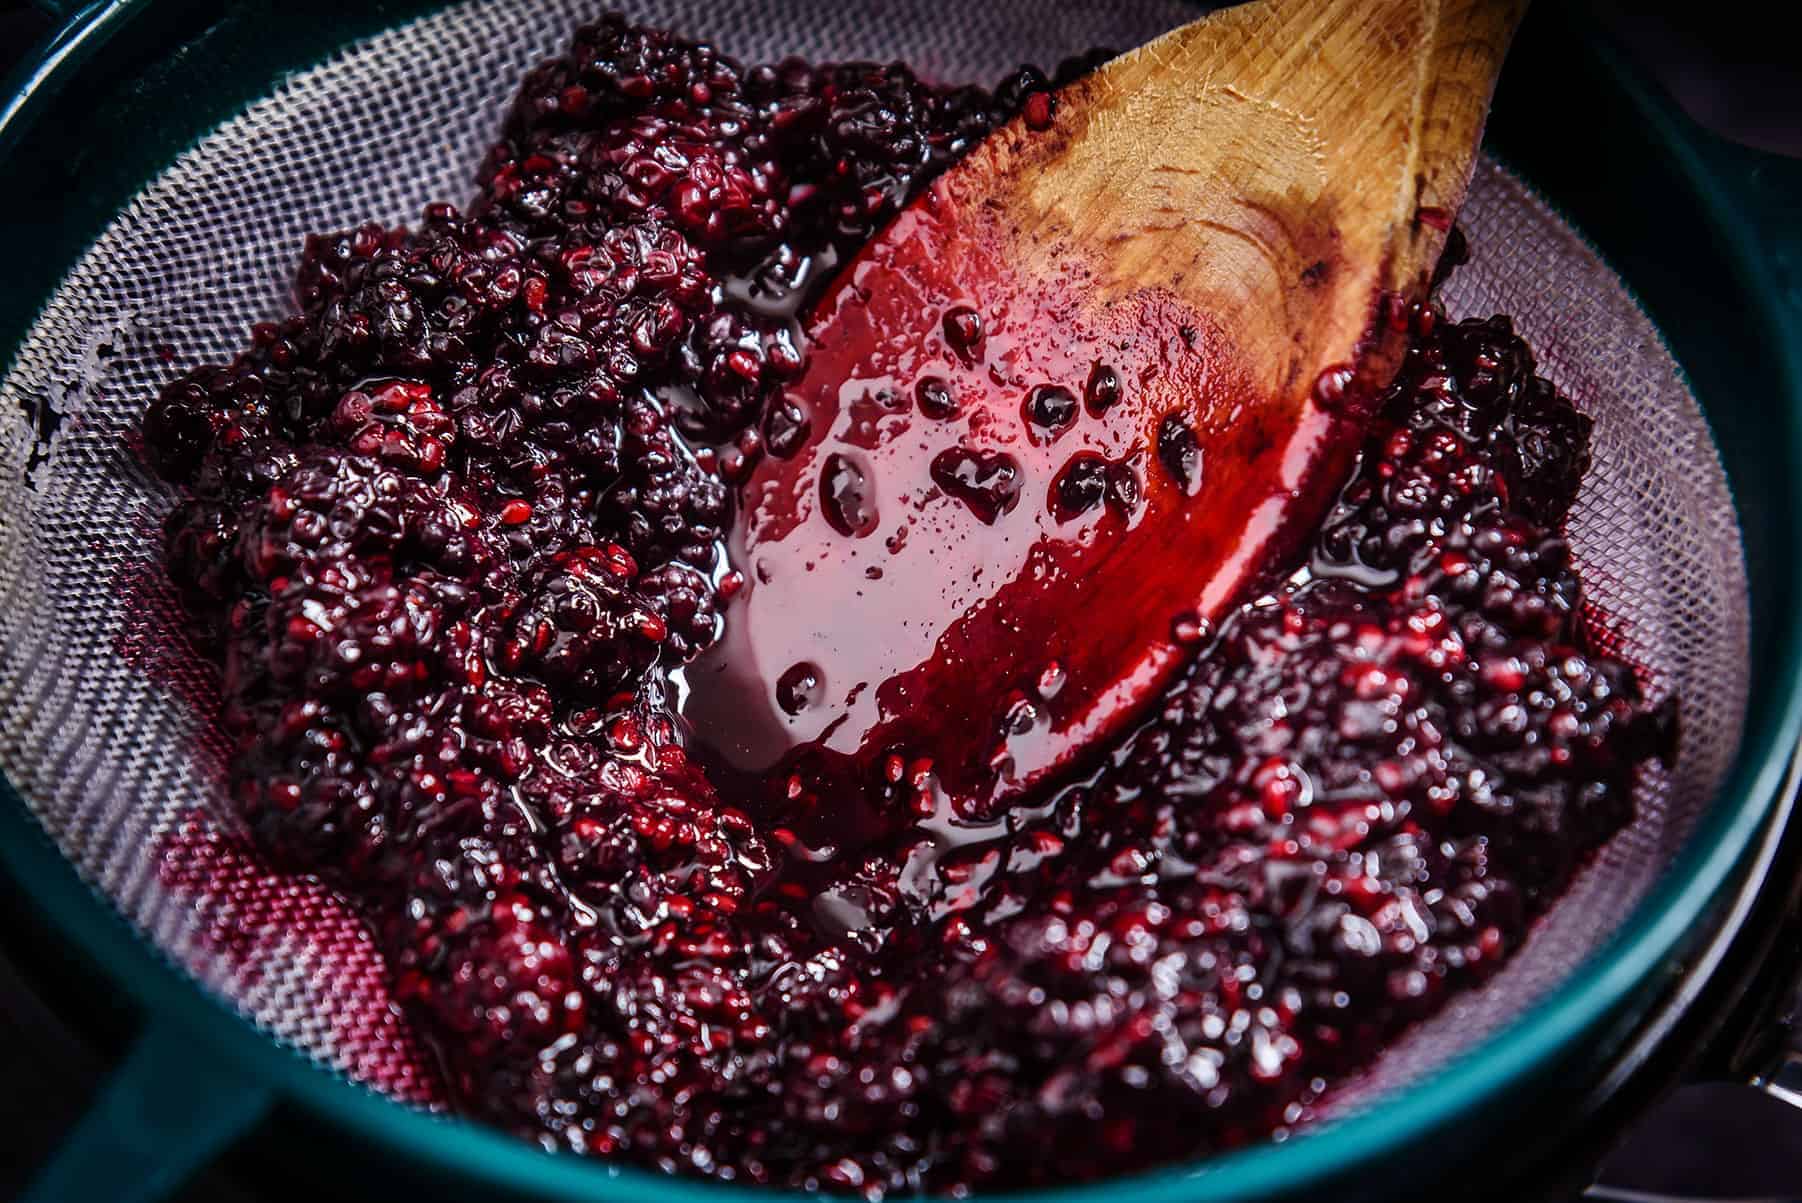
455 524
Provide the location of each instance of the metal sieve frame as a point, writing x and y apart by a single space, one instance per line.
1622 975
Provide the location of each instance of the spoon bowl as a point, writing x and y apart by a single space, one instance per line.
1085 392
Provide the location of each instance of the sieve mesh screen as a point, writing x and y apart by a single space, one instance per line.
105 712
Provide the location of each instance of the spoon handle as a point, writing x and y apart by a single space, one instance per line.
1376 81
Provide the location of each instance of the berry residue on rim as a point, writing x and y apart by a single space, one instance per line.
454 525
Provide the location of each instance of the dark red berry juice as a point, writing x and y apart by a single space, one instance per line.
455 527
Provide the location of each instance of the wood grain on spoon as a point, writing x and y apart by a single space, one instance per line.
1204 245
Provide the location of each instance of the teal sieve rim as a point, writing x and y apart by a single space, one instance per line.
1625 970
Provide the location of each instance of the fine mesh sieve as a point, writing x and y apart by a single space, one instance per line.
105 712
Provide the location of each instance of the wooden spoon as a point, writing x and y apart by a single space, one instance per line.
1085 392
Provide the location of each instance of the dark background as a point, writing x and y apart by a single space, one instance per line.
1732 71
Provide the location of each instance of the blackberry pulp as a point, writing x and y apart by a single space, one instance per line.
454 526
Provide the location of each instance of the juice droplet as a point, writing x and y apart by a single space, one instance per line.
935 398
1188 628
1080 486
1050 410
845 497
1180 454
1018 715
1038 110
988 482
800 687
1123 488
963 328
1331 384
784 428
1103 390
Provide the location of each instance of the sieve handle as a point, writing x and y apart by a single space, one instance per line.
163 1114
